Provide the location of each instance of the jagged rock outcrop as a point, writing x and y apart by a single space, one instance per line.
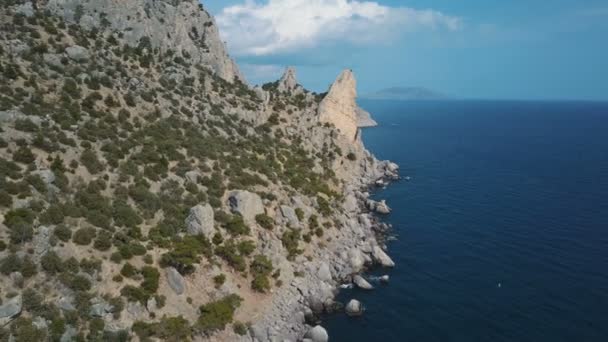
180 26
339 107
201 221
364 118
362 283
247 204
289 82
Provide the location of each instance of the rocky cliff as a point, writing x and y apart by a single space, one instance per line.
364 118
181 27
339 107
146 194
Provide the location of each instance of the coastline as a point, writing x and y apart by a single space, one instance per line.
295 310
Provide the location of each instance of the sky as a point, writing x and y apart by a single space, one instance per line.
482 49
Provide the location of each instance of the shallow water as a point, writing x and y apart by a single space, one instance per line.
502 230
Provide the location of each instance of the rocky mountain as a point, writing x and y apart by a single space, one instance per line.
148 193
405 94
364 118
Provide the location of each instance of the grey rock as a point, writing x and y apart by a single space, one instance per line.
10 309
175 280
288 82
247 204
52 59
40 323
317 334
17 47
26 9
324 272
290 214
364 118
168 25
100 307
42 241
382 258
383 208
354 308
151 305
350 203
77 53
69 334
355 259
201 221
362 283
66 303
193 176
48 177
136 309
385 279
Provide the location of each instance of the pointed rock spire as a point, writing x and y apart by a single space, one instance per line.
288 81
339 107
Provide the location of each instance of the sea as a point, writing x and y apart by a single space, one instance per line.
501 231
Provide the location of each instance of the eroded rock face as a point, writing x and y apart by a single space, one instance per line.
201 221
364 118
339 106
169 25
288 81
247 204
10 309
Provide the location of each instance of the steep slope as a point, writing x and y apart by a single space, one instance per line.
148 193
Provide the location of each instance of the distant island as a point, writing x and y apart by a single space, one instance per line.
405 93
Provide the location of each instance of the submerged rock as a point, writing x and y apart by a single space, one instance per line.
354 308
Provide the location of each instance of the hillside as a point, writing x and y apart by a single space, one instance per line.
148 192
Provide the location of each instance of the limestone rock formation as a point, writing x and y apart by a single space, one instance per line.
10 309
362 283
382 258
167 25
364 118
247 204
318 334
201 221
175 280
339 107
288 82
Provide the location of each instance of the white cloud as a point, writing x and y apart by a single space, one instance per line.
277 26
262 71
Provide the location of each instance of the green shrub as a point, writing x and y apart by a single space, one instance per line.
6 200
351 156
216 315
261 268
290 241
103 242
265 221
51 263
240 328
89 159
24 155
236 226
185 253
25 125
63 233
84 236
219 280
128 270
300 214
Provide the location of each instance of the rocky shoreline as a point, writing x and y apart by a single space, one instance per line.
295 309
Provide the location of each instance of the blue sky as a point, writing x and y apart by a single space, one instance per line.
499 49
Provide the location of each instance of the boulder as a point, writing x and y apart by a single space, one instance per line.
356 259
42 242
247 204
52 59
317 334
100 309
382 208
201 221
69 334
77 53
193 176
362 283
381 257
290 215
175 280
10 309
350 203
354 308
385 279
324 272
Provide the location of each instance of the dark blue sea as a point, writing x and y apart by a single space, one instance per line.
502 231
